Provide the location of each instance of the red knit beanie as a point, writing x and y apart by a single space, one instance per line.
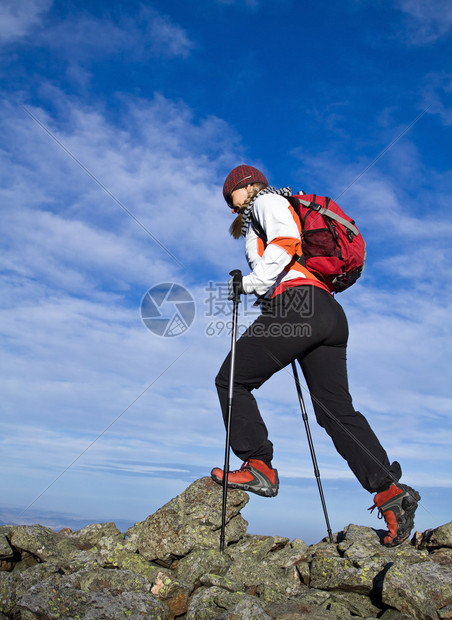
241 176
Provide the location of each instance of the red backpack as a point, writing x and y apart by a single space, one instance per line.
333 248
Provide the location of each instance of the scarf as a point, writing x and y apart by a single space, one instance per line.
248 213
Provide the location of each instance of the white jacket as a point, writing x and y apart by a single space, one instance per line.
273 262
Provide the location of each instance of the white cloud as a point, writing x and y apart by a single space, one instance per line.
437 94
166 38
72 255
75 350
76 354
427 21
19 17
159 168
87 38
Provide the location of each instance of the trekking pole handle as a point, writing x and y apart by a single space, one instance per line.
236 285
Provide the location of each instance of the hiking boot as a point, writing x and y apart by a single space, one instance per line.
397 506
254 476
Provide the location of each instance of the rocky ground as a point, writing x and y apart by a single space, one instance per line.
169 566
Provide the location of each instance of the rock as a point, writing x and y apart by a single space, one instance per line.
253 547
442 556
393 614
16 583
363 546
92 535
210 580
53 603
210 603
7 592
36 539
49 546
173 591
253 569
358 533
87 594
43 543
274 556
191 521
332 573
439 537
418 589
6 551
27 560
115 581
170 566
131 537
119 558
324 549
77 560
290 555
247 607
200 562
315 597
298 610
355 604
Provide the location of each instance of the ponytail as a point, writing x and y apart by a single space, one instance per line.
235 229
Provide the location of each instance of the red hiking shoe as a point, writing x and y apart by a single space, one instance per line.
254 476
397 506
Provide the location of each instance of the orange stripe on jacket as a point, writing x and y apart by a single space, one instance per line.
288 244
261 245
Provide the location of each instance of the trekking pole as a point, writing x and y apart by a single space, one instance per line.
311 447
236 300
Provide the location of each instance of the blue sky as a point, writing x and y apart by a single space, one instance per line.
118 124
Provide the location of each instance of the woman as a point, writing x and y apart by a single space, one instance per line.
301 321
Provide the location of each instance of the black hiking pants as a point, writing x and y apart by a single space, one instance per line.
307 324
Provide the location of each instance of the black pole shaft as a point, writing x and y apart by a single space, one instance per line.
311 448
235 312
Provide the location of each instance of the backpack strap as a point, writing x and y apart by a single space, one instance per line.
258 229
331 214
